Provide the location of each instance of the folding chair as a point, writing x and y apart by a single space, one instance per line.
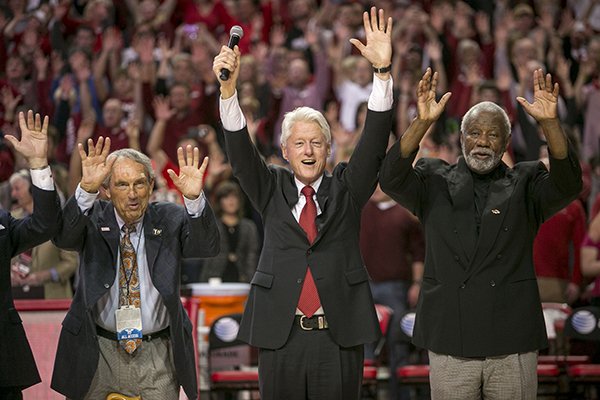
232 362
371 367
583 325
416 375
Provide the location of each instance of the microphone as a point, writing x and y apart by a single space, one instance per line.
235 34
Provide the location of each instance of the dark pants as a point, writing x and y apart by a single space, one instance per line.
310 366
10 393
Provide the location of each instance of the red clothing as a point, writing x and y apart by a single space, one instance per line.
177 128
118 137
390 241
557 244
590 243
219 16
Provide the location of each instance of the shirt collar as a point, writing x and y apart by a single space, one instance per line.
315 185
121 222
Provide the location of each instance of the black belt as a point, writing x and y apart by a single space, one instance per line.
113 335
316 322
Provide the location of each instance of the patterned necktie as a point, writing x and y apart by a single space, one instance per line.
309 301
129 283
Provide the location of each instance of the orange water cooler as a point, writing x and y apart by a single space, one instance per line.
215 300
218 299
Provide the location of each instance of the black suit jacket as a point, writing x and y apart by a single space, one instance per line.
334 257
479 295
17 235
170 234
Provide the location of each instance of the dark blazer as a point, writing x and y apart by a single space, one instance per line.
17 235
170 235
246 252
479 295
334 257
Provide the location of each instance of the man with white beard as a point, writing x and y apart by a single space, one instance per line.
479 311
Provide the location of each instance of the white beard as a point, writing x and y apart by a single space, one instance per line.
481 166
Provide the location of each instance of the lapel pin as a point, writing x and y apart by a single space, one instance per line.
104 228
156 232
495 211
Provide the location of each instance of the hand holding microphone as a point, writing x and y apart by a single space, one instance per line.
235 34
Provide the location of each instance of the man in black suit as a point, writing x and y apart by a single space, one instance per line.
479 312
310 309
144 294
16 360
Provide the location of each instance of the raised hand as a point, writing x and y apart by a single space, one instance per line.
378 49
94 165
190 180
34 140
162 108
86 128
428 108
9 100
545 98
230 60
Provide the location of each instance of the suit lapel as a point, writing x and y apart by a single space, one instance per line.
153 231
109 230
460 186
290 191
290 194
322 199
495 210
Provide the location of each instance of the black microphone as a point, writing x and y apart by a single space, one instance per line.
235 34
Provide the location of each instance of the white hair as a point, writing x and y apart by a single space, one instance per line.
303 114
133 155
486 106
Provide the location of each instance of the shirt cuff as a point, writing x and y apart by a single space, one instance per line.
196 206
381 98
42 178
85 200
232 117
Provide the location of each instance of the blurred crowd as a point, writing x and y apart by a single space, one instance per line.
140 72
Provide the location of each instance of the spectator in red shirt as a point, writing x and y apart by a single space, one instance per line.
556 254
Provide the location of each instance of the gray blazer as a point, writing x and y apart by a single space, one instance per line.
170 234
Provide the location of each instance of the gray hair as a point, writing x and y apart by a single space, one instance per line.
133 155
303 114
486 106
22 174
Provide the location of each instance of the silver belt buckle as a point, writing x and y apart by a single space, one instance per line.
322 322
302 318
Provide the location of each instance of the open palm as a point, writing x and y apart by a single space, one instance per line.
94 165
428 108
34 139
545 97
190 180
378 49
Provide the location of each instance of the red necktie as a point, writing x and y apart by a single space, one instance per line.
309 297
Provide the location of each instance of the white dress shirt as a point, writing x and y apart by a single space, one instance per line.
42 178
